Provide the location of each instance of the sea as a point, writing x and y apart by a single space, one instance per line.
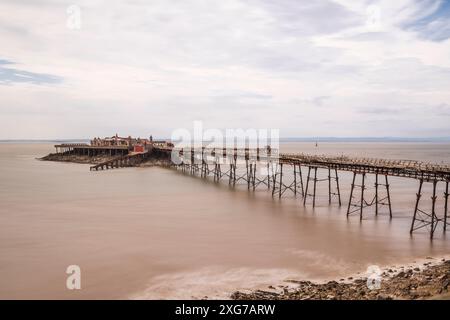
159 233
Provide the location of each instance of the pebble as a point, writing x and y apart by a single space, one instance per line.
432 281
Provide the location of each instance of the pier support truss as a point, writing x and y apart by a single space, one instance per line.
243 169
430 220
281 173
287 177
356 204
331 193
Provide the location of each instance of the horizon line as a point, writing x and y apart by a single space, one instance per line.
282 139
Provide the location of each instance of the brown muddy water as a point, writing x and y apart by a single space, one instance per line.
156 233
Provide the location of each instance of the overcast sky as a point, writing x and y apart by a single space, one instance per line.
341 68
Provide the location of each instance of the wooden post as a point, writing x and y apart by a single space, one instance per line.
337 185
295 179
446 205
307 184
376 194
315 182
362 197
219 171
254 176
301 179
418 195
234 170
281 180
329 185
248 175
351 193
274 181
388 196
433 211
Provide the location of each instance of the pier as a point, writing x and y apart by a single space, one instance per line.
284 173
294 173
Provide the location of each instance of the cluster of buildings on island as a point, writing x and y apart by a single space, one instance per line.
136 144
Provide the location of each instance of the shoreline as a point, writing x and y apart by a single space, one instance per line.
427 278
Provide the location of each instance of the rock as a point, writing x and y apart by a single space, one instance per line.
417 283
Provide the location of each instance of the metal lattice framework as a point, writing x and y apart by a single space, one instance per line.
277 173
282 172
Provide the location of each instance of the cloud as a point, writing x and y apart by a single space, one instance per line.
10 76
310 68
432 20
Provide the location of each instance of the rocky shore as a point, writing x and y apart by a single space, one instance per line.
429 280
76 158
151 162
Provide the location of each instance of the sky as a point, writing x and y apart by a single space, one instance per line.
324 68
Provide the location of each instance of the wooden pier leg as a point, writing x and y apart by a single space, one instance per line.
248 174
268 175
218 173
203 169
192 161
446 206
274 181
351 193
362 196
295 179
315 182
307 184
234 171
281 180
388 196
337 186
433 211
376 194
251 174
254 176
418 195
301 179
329 185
